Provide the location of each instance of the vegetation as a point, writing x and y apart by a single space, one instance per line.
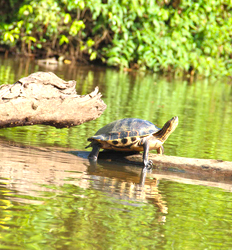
164 36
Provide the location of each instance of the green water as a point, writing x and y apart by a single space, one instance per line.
90 219
204 108
105 209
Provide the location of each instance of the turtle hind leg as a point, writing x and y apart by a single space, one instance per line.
94 153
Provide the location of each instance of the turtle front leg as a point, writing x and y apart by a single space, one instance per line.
94 153
147 164
160 150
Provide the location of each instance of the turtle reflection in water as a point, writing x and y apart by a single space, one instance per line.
131 134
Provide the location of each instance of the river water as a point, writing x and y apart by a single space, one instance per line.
51 198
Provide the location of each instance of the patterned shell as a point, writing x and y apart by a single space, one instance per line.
128 127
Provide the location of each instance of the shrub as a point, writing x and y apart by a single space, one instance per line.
164 36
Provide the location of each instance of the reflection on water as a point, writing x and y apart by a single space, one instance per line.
56 200
48 196
52 199
125 185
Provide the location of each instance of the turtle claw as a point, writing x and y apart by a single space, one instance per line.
148 166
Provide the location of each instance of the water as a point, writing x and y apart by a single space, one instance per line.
204 108
51 198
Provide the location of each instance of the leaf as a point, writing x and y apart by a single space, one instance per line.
76 27
67 18
8 37
63 40
90 42
113 61
93 56
25 10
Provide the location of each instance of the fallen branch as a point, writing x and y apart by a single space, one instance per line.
44 98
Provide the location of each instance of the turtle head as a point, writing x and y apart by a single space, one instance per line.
171 124
167 129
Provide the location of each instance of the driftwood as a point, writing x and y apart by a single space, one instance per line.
197 168
44 98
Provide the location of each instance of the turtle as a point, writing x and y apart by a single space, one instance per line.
131 134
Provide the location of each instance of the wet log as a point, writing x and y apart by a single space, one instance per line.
203 168
44 98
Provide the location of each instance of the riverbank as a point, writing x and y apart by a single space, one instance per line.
124 34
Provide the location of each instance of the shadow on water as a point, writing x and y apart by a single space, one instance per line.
122 181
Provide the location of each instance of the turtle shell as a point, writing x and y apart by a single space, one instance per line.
123 133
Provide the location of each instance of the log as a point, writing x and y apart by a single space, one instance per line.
44 98
206 169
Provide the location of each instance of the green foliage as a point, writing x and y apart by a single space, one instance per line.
191 37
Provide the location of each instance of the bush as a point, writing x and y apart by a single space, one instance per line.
164 36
